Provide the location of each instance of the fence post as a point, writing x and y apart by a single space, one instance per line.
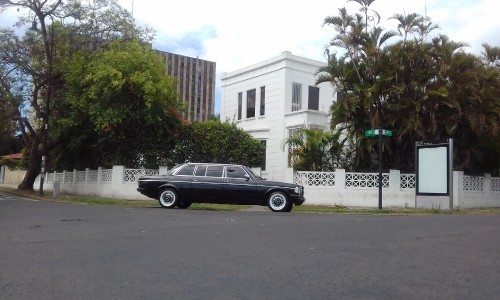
99 182
87 174
340 179
117 175
74 176
394 180
117 179
162 170
64 176
487 186
458 188
2 174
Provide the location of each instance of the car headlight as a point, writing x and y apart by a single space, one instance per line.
296 190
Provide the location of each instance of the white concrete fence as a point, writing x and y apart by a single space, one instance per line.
118 182
398 190
321 188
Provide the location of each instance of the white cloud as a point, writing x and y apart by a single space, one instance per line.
236 34
247 32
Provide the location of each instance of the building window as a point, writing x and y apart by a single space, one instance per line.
251 103
263 160
262 100
240 104
297 97
313 98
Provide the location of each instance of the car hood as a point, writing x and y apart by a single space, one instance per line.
276 183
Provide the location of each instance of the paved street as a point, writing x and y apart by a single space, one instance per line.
54 250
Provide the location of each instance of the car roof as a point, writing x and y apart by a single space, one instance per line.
213 164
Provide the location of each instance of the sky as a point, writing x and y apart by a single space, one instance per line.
236 34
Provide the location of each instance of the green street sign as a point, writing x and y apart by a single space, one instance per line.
374 132
370 132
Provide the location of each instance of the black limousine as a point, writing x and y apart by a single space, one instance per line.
219 183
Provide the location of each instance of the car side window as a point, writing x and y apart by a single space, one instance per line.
188 170
235 172
214 171
201 170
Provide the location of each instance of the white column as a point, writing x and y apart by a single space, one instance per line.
395 180
162 170
340 179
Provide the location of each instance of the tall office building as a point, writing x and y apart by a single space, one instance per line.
195 84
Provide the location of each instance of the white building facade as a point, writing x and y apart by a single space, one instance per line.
272 98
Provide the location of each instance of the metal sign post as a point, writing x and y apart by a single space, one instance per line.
380 133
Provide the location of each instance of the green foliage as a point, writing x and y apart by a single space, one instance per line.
104 93
120 108
317 150
37 64
217 142
13 164
422 89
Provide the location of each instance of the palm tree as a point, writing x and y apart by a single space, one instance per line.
408 24
365 9
491 55
349 30
425 27
315 150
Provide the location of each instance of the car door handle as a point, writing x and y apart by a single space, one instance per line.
195 179
227 181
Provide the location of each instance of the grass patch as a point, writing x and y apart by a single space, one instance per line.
107 201
89 200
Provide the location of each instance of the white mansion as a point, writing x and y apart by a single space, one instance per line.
272 98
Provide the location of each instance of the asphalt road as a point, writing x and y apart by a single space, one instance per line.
67 251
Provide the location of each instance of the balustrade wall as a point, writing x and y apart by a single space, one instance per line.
321 188
398 190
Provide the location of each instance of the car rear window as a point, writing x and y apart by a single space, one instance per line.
214 171
235 172
186 170
201 170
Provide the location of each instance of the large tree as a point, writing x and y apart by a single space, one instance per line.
119 106
423 89
40 65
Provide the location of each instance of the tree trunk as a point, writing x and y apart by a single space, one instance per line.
33 170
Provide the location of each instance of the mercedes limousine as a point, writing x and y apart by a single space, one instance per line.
219 183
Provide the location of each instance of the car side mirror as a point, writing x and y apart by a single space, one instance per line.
247 177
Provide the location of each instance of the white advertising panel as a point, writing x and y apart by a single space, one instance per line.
433 170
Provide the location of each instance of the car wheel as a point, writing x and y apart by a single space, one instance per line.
168 198
278 202
183 204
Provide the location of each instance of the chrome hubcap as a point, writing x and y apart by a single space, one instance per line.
167 198
277 202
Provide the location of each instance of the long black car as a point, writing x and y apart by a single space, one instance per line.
219 183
